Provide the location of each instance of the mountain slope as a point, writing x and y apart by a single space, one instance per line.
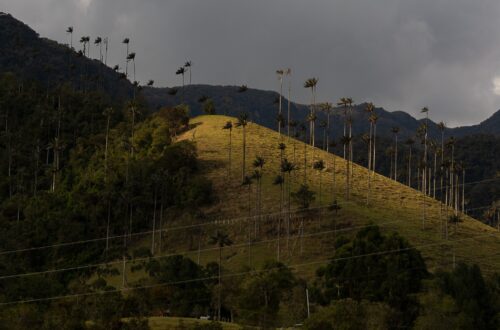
262 108
30 57
393 206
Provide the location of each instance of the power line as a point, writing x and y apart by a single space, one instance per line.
378 253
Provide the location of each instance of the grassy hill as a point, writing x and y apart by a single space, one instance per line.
392 206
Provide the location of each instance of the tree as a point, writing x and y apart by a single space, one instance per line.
98 42
409 142
311 83
258 164
319 166
288 72
69 31
304 197
357 271
126 41
442 128
221 240
243 122
280 180
373 121
395 132
288 167
209 107
327 108
229 126
280 74
188 66
346 141
131 57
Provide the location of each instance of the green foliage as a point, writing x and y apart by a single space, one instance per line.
304 197
209 107
183 294
475 302
362 269
350 314
262 293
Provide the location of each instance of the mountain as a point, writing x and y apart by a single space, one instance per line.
30 57
262 107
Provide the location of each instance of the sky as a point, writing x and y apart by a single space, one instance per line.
399 54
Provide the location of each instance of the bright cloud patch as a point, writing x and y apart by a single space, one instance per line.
84 4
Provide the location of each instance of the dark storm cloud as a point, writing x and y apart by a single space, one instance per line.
400 54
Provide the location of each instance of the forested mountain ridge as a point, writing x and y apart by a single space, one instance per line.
263 109
24 53
30 57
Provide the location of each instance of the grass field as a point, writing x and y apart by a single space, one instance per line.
393 207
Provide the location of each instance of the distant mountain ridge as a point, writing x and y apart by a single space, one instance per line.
263 109
24 53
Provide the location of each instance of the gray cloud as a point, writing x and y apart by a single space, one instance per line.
402 55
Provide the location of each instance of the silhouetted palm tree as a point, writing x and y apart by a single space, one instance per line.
243 122
346 140
311 83
131 57
395 132
98 42
327 108
188 66
280 74
69 30
409 142
229 127
320 166
258 164
126 41
221 240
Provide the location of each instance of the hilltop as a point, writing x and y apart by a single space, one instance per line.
393 206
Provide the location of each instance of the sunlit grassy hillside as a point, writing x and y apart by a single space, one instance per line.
392 206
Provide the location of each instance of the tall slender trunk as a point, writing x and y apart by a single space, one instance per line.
244 154
396 160
106 150
154 224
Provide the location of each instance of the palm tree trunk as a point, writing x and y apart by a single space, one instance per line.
154 225
220 285
107 225
244 154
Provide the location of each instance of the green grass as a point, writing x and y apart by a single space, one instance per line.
394 206
160 323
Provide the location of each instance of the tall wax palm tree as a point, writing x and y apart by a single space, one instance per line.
323 124
409 142
258 164
451 182
367 139
188 66
312 83
106 44
320 166
243 122
442 128
373 121
280 74
395 132
288 72
293 125
426 127
311 118
98 42
131 57
229 126
280 180
344 102
327 108
107 113
333 144
287 168
69 31
221 240
369 109
346 140
126 41
303 131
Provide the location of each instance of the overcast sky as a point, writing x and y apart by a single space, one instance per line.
400 54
